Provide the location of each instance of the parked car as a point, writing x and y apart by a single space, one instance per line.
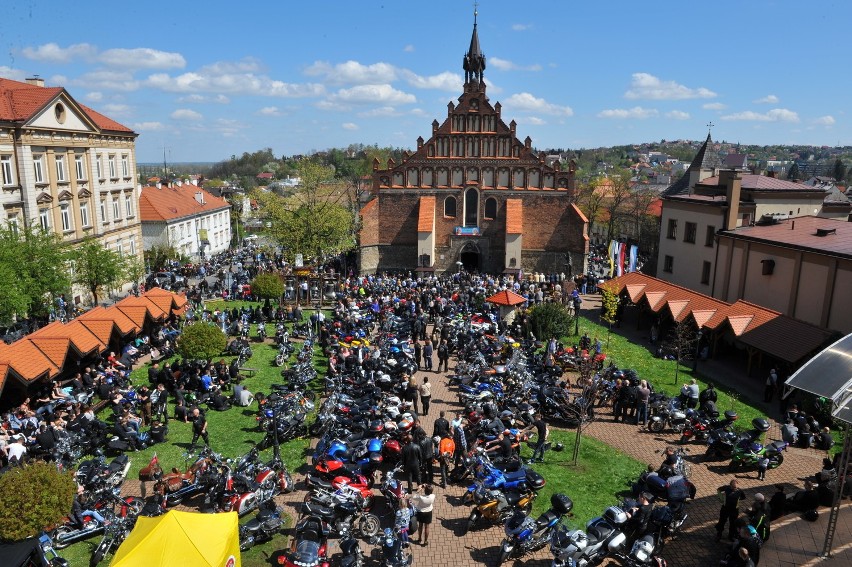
169 279
15 331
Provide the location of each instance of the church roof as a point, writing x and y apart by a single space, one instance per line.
703 160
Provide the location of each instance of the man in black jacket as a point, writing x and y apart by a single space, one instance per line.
441 427
412 459
730 509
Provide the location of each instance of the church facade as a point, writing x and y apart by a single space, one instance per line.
473 196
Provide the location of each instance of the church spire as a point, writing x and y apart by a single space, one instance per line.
474 60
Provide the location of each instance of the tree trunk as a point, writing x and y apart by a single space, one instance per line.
94 291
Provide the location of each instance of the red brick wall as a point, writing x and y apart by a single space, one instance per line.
370 225
398 214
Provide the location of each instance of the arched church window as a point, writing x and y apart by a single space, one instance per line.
450 207
490 208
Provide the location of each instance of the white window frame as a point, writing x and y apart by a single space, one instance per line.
119 248
128 205
116 209
65 215
112 171
8 171
84 214
103 210
132 247
13 221
125 165
38 168
80 166
60 169
99 168
44 219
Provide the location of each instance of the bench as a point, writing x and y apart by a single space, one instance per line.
250 372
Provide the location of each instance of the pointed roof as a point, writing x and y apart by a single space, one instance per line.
474 60
474 49
703 160
506 297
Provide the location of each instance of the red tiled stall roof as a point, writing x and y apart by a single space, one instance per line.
766 330
506 297
54 348
27 361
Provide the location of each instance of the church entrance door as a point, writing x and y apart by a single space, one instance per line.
469 257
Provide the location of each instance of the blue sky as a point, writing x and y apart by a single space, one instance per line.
206 80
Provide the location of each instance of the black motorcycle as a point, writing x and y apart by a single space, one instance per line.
116 530
526 535
263 527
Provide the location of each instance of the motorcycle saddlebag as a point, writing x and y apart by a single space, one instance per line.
535 481
656 483
560 502
760 424
677 489
731 415
662 515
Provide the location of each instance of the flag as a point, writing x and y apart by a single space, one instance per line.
612 252
634 256
622 248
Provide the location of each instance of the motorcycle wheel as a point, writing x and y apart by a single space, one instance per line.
776 461
134 505
471 521
505 553
369 525
99 554
734 466
247 543
656 426
60 536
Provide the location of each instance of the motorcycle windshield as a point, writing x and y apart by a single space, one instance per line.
307 553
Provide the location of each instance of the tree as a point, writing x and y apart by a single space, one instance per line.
36 270
590 202
550 320
201 341
609 309
267 286
794 174
97 268
839 171
33 498
617 196
157 256
681 343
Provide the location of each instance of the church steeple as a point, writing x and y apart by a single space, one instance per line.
474 60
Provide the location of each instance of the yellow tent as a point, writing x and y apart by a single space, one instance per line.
182 538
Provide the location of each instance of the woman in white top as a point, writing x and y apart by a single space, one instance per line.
423 501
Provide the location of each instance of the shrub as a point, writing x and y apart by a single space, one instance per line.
201 341
550 320
34 497
267 286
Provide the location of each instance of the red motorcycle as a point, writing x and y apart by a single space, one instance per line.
351 481
309 546
243 494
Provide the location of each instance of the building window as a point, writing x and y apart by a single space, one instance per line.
490 208
112 173
668 264
84 214
79 165
12 223
103 210
705 273
60 169
132 247
450 207
672 232
471 207
65 213
38 168
690 229
125 166
6 166
116 209
172 235
119 247
99 170
128 206
710 236
44 219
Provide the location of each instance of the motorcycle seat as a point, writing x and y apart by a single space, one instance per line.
320 483
598 533
316 509
512 498
546 518
514 476
252 525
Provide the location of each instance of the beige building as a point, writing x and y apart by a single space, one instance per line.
67 168
801 267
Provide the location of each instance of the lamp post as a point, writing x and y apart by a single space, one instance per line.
697 351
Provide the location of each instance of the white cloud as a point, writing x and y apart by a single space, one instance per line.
677 115
352 73
827 120
774 115
186 114
714 106
530 103
238 77
115 109
192 98
349 126
647 86
107 80
408 48
53 53
142 58
148 126
94 96
768 99
445 81
269 111
379 94
505 65
521 27
197 98
534 120
636 112
14 74
381 111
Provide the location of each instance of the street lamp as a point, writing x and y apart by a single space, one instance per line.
697 351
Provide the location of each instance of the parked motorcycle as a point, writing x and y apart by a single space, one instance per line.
669 414
496 507
526 535
749 455
352 554
343 515
309 545
94 474
392 552
116 530
604 535
264 526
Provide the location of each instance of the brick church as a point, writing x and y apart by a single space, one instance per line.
473 195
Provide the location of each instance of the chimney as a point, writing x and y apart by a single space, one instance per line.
35 81
732 181
199 196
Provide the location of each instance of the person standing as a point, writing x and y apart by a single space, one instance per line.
412 458
443 356
542 432
771 386
441 427
460 440
418 354
427 449
427 356
411 393
423 501
729 511
758 516
199 427
446 450
643 395
425 395
693 394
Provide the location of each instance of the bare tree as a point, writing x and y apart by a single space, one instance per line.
681 343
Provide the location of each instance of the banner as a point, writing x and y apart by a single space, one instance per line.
620 262
611 254
634 256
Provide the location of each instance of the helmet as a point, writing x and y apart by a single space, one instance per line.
559 447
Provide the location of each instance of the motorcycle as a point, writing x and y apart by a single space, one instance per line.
243 494
643 553
261 332
309 546
343 514
94 474
285 349
748 455
352 554
721 443
48 555
264 526
526 535
699 426
393 552
70 532
392 489
496 506
669 414
116 530
603 536
177 485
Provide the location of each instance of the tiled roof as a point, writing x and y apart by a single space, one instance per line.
81 337
27 361
769 331
801 234
514 216
172 203
54 348
124 323
506 297
765 183
100 328
703 160
21 101
426 214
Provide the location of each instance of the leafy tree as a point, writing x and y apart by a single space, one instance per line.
38 261
590 202
96 268
33 498
794 174
839 171
618 193
13 301
267 286
158 255
201 341
134 270
550 320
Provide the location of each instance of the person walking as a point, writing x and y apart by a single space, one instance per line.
729 511
427 356
411 393
418 354
771 386
460 440
446 450
643 396
423 501
199 427
425 390
412 458
159 404
443 356
441 427
427 449
542 432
